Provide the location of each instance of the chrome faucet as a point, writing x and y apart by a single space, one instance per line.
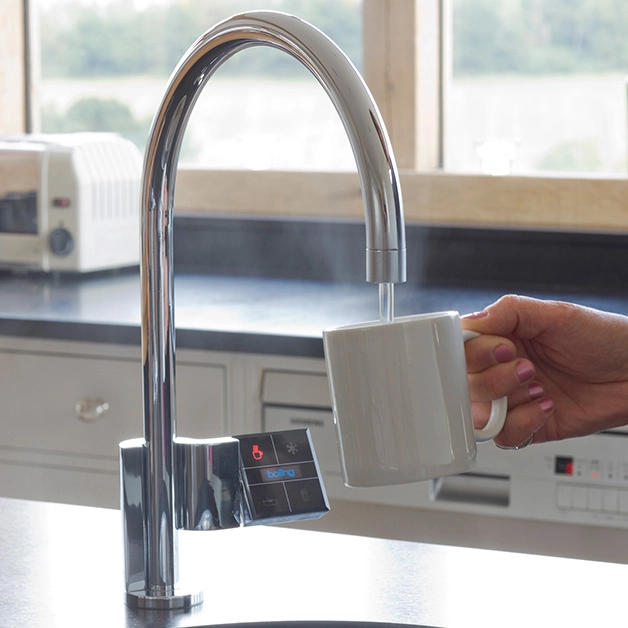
160 472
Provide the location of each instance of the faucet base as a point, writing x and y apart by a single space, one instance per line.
179 601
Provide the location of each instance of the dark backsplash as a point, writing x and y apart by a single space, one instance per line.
335 250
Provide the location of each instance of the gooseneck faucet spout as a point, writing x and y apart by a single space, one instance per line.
155 583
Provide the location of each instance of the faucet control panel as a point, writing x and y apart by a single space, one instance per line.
281 477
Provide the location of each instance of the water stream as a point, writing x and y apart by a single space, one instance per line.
386 302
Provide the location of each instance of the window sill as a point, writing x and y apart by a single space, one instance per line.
574 204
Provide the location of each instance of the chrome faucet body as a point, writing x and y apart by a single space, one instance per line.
151 508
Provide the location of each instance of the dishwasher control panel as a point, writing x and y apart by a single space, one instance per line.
281 477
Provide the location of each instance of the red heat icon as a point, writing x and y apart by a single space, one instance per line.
257 453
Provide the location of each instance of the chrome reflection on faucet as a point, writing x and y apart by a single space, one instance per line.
158 497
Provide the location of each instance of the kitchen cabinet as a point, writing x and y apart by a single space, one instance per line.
67 405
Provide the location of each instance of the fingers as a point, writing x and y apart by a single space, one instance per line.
494 370
524 421
502 380
526 393
486 351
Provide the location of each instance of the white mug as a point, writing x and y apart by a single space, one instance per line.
400 397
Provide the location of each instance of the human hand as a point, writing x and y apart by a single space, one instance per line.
563 367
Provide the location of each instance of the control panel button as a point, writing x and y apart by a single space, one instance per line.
579 498
257 450
563 496
269 501
292 446
594 499
610 501
305 496
563 465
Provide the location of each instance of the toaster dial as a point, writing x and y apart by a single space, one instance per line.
61 242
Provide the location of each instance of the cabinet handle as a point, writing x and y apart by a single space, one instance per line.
90 409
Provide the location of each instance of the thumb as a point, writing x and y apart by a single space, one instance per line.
518 316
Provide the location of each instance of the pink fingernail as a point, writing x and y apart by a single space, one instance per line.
474 315
525 371
547 406
503 353
536 391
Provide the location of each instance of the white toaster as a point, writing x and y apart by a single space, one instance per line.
69 202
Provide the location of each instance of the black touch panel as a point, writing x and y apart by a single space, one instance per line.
281 477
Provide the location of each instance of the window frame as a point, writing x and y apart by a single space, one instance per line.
410 96
13 73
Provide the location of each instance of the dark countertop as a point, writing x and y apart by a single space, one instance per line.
228 313
61 566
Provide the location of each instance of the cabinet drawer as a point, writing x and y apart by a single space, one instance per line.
38 393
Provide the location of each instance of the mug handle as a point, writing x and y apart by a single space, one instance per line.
499 407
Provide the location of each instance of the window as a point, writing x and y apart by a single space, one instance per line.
262 109
408 44
538 87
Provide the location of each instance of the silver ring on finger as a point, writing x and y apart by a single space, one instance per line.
523 445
